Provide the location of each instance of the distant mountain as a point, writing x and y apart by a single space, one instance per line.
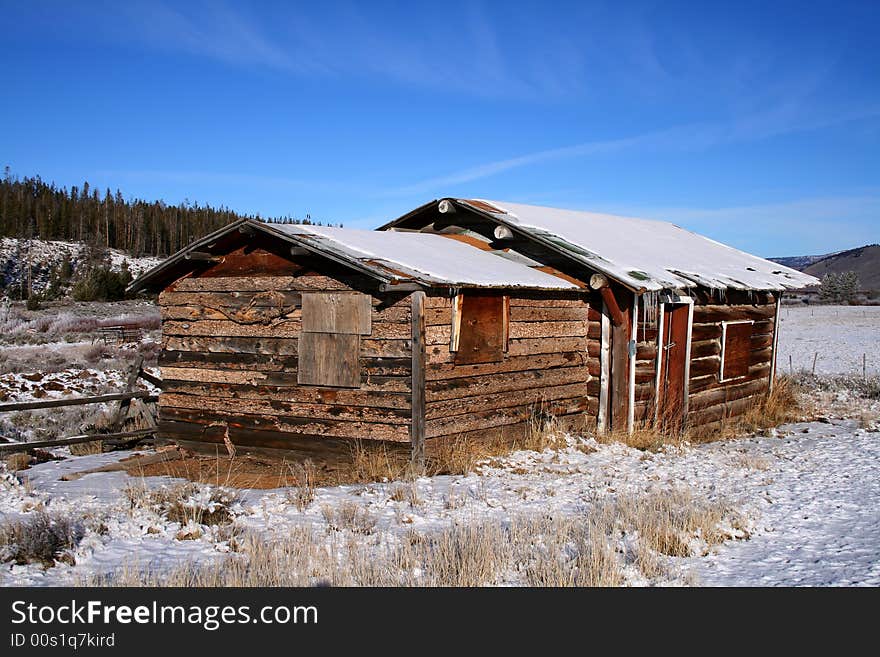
801 262
864 261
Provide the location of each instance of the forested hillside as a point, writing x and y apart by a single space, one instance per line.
31 208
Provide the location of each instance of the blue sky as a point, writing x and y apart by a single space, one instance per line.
757 124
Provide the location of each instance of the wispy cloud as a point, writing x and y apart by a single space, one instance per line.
781 120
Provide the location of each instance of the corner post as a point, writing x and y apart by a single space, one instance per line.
417 426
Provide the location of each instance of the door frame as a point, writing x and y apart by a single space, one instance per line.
675 300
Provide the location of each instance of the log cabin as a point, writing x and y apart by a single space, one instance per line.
681 330
306 338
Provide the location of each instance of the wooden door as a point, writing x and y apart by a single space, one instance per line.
673 367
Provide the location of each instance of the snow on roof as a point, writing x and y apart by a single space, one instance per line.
642 253
429 258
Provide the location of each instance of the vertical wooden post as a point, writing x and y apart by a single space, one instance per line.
775 342
417 426
131 382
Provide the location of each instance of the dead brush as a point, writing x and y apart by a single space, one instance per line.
668 521
462 454
40 537
376 462
302 491
187 503
564 552
408 493
349 515
781 406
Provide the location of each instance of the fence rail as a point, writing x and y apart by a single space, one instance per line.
125 399
76 401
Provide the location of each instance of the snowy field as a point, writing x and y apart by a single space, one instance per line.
798 506
840 335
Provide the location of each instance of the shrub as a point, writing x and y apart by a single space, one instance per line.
187 503
39 538
102 284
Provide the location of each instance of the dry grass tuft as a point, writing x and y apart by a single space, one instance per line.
669 521
40 538
302 491
349 515
782 405
186 503
585 550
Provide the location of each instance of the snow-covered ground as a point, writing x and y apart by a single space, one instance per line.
45 256
840 335
807 495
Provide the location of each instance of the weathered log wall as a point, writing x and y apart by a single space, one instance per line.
710 399
546 369
646 373
229 359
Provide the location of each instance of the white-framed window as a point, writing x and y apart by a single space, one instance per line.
736 347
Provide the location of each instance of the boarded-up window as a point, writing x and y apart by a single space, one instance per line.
480 326
330 341
736 345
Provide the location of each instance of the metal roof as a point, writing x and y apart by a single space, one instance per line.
391 258
641 254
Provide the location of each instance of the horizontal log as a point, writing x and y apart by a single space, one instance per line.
758 356
500 417
594 387
703 366
704 348
272 363
320 449
548 330
646 351
485 402
440 371
644 374
547 302
261 283
226 328
279 328
644 391
270 315
76 401
697 384
439 353
232 300
726 393
291 425
722 411
594 331
227 345
379 348
710 331
439 390
73 440
713 313
286 408
303 394
544 314
534 346
594 348
281 379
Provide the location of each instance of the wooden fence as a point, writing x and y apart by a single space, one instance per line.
127 398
